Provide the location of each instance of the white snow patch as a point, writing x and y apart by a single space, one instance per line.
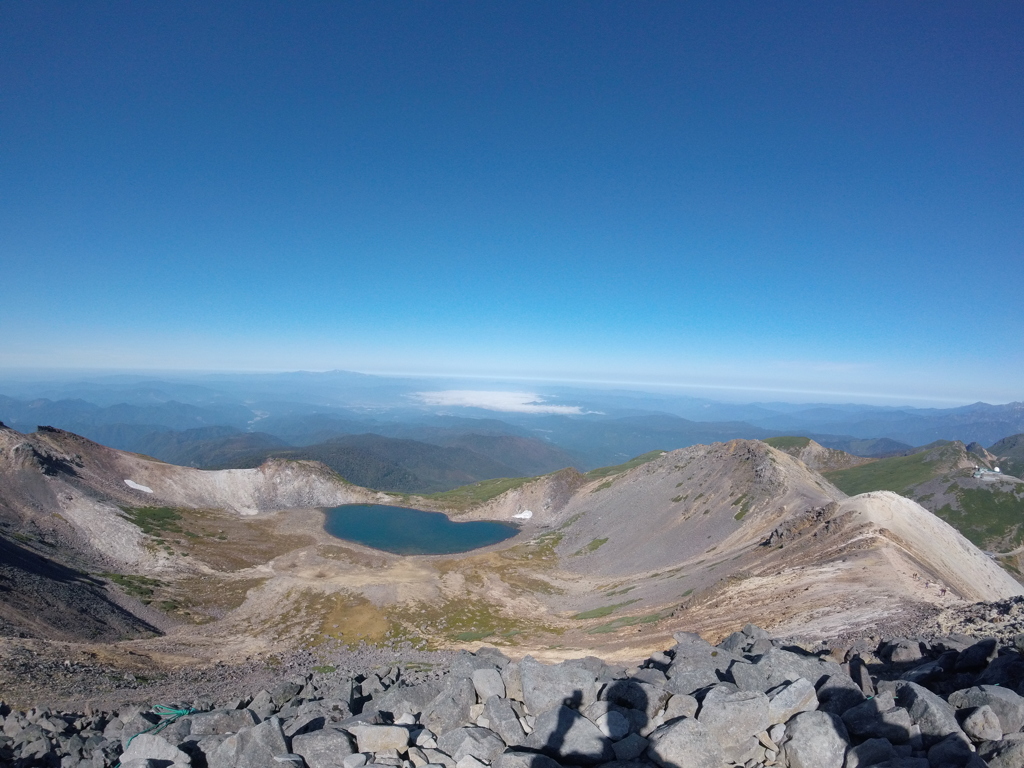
137 487
524 515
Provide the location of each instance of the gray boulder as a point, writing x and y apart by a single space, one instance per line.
569 737
472 740
951 752
488 683
503 720
790 699
220 721
780 666
327 748
408 699
450 709
681 705
635 694
686 743
523 760
254 747
513 681
932 715
146 746
870 752
977 656
879 718
982 724
734 717
630 748
748 677
378 738
263 705
1006 753
1008 706
838 693
815 740
545 687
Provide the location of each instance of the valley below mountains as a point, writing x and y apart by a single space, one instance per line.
168 567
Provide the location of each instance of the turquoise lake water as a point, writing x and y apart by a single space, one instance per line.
411 531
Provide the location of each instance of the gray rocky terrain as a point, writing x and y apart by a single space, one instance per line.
752 700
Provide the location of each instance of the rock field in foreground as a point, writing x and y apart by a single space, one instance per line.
749 701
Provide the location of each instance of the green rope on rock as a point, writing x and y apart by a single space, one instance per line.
169 715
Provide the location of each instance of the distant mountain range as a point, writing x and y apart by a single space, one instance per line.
223 420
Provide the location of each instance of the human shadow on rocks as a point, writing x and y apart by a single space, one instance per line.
565 735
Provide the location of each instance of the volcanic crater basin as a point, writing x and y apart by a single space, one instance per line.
703 539
406 531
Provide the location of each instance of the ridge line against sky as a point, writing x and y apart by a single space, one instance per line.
802 197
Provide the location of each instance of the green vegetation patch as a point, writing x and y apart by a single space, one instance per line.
988 517
153 521
136 586
597 613
788 441
623 591
743 503
898 474
593 546
618 469
625 621
485 490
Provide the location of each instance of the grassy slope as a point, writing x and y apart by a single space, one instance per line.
990 518
788 441
899 474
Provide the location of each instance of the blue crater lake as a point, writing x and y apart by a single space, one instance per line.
411 531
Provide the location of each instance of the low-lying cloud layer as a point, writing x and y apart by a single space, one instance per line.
511 402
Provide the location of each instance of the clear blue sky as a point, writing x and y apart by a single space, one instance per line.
817 196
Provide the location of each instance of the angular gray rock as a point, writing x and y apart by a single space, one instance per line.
838 693
953 751
220 721
879 718
503 720
780 666
635 694
815 740
930 713
472 740
488 683
450 708
513 681
411 699
1008 706
686 743
870 752
546 686
734 717
569 737
1007 753
146 746
377 738
630 748
254 747
982 724
326 748
790 699
514 759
